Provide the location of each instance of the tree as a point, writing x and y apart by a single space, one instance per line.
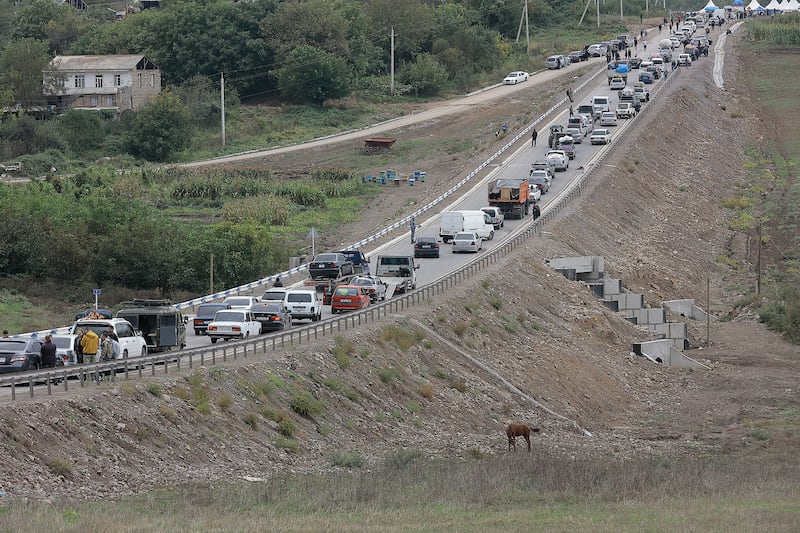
21 65
425 75
313 75
160 129
412 21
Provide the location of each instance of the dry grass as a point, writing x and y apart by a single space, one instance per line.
482 494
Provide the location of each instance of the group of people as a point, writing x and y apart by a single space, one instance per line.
89 347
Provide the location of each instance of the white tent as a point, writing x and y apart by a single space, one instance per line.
773 6
791 5
710 6
754 6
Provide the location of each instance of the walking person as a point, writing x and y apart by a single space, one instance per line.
571 112
644 44
47 355
635 41
536 211
569 93
534 134
90 343
413 226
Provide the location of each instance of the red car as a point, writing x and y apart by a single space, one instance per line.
349 298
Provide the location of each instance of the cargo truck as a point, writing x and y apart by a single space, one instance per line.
511 196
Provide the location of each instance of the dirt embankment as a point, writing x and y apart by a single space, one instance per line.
654 214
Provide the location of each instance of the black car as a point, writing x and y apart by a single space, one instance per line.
330 266
272 316
205 314
635 62
359 260
19 355
577 56
426 247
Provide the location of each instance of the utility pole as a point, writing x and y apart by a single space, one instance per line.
222 104
525 19
598 12
758 263
708 311
391 64
621 17
211 273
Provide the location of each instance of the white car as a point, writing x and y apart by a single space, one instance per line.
608 119
131 341
233 324
684 60
240 302
600 136
597 50
576 134
516 77
559 157
541 180
467 241
617 83
556 62
534 192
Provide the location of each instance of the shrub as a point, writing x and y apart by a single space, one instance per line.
402 458
287 428
460 385
155 389
289 445
224 401
304 404
251 420
427 391
460 329
59 466
389 374
342 350
166 412
347 459
402 338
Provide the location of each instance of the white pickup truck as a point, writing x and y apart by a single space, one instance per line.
398 272
625 110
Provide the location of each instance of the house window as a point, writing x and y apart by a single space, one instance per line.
108 100
152 80
117 80
80 81
98 80
93 101
139 79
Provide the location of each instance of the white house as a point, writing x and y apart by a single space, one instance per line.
116 82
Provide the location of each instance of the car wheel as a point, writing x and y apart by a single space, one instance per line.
124 354
144 351
491 235
197 332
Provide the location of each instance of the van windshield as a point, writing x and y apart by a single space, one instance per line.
298 297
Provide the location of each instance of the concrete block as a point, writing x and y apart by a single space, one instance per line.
631 319
597 289
593 265
612 286
672 330
650 316
568 273
628 300
663 351
686 308
612 305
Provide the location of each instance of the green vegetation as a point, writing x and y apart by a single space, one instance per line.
59 466
390 374
415 494
342 350
155 389
402 338
304 404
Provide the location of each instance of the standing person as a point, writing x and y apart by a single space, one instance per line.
111 333
635 41
78 348
644 43
571 112
47 355
569 93
413 226
5 334
106 348
90 343
278 282
534 134
536 211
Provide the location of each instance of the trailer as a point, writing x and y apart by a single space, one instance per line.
163 327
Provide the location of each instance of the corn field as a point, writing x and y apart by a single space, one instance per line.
781 30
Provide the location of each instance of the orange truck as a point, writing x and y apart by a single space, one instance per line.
511 196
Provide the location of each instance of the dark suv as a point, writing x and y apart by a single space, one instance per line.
359 260
205 314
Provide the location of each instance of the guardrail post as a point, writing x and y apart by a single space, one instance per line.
49 385
30 387
66 387
213 356
13 389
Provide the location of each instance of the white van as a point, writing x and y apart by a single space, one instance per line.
659 62
600 105
453 222
304 303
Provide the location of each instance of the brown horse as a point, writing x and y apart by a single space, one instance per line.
519 430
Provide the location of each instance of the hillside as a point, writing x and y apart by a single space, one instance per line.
411 382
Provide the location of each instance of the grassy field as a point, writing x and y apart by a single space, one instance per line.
407 493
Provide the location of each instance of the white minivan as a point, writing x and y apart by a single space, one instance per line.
304 303
453 222
600 104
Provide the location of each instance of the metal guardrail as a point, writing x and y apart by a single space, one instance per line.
231 351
